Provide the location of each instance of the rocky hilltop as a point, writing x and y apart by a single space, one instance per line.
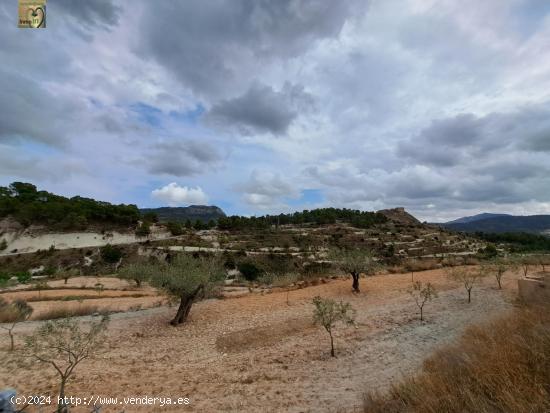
399 215
193 213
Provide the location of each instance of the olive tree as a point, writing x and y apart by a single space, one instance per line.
69 273
468 277
355 262
498 267
186 278
328 312
524 262
64 344
138 272
13 313
422 293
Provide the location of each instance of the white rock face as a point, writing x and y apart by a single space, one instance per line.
27 241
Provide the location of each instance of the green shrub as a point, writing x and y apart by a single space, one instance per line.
111 254
144 229
23 277
250 271
175 228
49 271
229 263
3 245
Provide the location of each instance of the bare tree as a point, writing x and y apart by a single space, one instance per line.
63 344
13 313
328 312
422 293
355 262
469 277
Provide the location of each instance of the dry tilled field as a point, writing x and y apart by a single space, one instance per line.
261 351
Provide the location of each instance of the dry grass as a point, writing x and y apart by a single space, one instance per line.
420 265
82 297
63 312
243 340
503 366
8 314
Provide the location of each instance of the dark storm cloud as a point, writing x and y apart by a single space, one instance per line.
444 141
465 138
183 158
261 109
210 46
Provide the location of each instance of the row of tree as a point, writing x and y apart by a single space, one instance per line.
320 216
518 241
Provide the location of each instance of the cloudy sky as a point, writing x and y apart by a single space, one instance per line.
262 106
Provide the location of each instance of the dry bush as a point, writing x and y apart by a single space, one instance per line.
421 265
64 312
502 366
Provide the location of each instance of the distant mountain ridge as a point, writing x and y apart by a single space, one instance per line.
193 213
499 223
478 217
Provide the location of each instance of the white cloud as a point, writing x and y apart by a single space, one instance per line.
175 195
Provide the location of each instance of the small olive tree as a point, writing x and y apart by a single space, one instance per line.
13 313
543 261
138 272
64 344
524 263
185 278
422 293
328 312
355 262
69 273
40 285
498 267
468 277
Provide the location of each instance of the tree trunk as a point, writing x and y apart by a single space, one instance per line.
12 346
355 285
331 345
469 295
186 301
499 284
421 314
62 405
65 281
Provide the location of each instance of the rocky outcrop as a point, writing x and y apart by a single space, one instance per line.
399 215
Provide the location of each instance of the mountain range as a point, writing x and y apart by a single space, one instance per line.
498 223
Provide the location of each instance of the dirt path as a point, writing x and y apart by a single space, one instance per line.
256 353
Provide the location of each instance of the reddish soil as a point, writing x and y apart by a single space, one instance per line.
259 354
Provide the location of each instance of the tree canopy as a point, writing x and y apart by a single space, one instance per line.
27 205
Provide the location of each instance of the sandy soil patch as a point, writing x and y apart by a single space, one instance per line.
256 353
